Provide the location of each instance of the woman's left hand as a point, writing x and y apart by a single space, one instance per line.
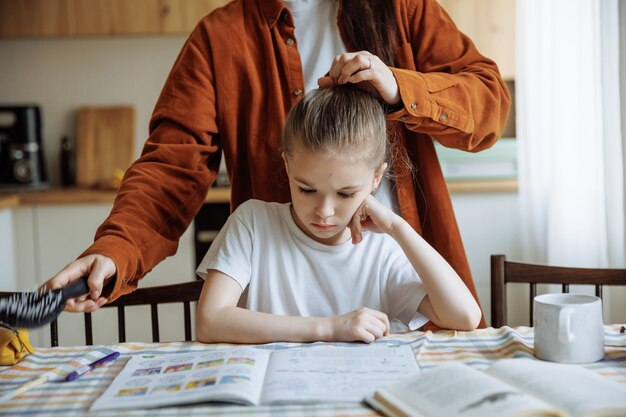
371 215
365 70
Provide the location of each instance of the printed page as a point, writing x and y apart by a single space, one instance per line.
334 374
231 375
457 390
572 388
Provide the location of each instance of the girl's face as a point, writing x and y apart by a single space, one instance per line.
326 190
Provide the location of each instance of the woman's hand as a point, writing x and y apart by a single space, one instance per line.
365 70
99 268
371 215
363 325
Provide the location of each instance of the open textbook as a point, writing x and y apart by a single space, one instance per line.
247 375
509 388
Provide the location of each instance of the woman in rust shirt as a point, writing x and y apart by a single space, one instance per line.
242 69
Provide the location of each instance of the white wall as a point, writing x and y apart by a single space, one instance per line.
7 268
489 225
63 74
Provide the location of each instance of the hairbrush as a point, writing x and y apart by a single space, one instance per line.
37 308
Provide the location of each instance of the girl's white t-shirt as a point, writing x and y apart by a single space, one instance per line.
288 273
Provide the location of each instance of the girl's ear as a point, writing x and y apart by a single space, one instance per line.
379 175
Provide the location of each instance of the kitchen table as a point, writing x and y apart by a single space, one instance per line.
478 349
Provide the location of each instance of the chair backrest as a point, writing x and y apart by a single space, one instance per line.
184 293
503 272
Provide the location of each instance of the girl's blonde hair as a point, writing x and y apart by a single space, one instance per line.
340 120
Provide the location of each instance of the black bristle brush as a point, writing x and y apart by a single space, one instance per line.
37 308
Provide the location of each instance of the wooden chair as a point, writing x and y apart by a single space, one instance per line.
184 293
503 272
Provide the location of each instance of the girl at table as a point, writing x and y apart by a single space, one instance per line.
335 264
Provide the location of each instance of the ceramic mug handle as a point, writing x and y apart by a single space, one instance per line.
565 325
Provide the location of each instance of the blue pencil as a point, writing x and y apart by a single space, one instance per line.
83 370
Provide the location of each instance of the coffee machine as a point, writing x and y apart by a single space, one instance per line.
21 152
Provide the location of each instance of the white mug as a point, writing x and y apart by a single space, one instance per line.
568 328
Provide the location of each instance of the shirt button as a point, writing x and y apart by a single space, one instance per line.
297 92
443 116
414 106
289 41
403 118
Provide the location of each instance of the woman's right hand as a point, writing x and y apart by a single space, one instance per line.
365 70
100 269
363 325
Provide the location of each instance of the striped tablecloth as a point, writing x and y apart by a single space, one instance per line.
54 398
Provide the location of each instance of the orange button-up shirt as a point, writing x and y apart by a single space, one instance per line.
229 91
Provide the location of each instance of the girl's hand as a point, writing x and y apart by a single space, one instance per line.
371 215
363 325
365 70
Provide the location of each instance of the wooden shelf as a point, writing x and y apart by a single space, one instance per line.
9 201
55 18
57 196
84 196
483 186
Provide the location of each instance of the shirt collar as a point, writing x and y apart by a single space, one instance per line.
271 10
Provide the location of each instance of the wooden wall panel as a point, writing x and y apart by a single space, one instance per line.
49 18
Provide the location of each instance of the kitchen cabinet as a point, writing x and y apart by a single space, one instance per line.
491 26
42 18
489 23
207 224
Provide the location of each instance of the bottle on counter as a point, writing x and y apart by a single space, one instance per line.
68 162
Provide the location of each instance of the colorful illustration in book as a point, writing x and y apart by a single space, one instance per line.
146 371
201 383
166 388
234 379
241 360
128 392
210 364
179 368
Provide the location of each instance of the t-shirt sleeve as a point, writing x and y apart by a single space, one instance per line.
231 251
404 292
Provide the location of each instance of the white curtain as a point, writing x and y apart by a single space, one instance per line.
569 133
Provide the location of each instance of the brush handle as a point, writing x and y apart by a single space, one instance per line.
76 288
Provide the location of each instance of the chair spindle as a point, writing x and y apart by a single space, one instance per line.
54 333
88 330
187 313
599 291
155 322
121 324
533 294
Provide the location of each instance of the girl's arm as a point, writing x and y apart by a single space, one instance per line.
448 302
220 320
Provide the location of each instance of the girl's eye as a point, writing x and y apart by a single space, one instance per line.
306 190
347 195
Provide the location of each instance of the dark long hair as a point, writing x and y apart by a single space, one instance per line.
371 25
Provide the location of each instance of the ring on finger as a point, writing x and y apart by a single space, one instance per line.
370 66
